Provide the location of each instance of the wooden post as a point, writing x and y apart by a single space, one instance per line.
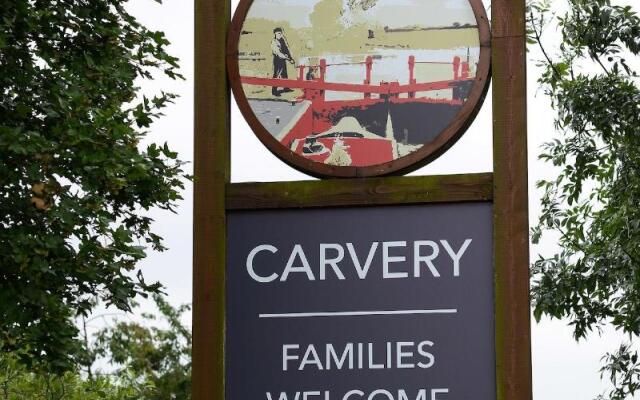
511 228
456 68
368 66
464 74
412 80
323 69
212 171
367 75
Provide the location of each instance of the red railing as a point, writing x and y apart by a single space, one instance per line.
315 87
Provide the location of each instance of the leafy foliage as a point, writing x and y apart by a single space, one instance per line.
155 354
16 383
623 369
150 360
594 202
74 177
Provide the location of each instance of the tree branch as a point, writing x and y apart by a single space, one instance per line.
538 38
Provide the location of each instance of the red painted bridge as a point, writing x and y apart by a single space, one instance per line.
316 86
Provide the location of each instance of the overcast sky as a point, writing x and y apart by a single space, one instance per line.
562 369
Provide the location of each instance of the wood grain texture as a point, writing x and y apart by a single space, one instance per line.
212 171
360 192
508 19
511 228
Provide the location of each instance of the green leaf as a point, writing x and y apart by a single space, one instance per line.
75 184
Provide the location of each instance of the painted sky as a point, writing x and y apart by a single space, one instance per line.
392 13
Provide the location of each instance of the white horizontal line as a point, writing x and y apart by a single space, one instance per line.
358 313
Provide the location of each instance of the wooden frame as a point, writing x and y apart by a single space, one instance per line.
212 152
511 217
410 162
506 187
363 192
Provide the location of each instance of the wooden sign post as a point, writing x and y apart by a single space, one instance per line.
217 202
511 215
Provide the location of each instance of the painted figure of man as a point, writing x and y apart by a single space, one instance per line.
281 55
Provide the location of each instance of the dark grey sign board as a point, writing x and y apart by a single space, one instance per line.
374 303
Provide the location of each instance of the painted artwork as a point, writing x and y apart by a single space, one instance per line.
357 82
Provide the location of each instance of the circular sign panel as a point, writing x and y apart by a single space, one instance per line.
359 87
